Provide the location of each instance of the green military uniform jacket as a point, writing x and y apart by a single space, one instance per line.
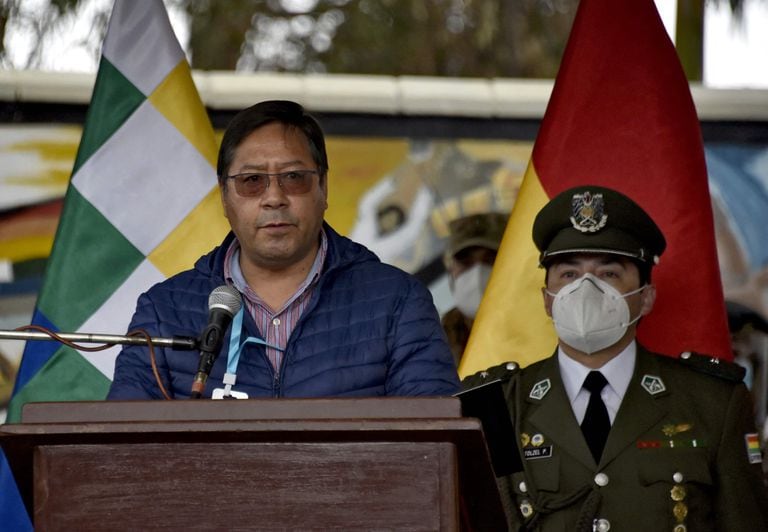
676 457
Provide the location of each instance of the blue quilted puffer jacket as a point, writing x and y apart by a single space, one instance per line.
369 330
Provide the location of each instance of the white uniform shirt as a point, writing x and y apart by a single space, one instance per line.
617 371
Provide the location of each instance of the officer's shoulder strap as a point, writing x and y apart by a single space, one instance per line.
502 372
712 365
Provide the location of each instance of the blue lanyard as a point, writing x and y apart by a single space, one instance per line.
235 348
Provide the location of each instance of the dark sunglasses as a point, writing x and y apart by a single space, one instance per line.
292 183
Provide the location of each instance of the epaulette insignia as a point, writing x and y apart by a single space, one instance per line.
502 372
540 389
713 366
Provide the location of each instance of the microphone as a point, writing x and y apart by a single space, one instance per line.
223 303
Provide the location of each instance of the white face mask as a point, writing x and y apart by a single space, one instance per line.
468 288
590 314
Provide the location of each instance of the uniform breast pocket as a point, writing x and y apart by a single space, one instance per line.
679 482
545 473
671 465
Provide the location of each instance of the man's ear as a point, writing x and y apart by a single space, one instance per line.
547 301
324 188
222 193
648 298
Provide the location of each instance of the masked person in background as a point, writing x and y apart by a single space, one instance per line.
612 436
472 246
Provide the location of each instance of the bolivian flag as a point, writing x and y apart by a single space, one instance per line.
621 116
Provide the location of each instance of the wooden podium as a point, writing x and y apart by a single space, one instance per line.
288 464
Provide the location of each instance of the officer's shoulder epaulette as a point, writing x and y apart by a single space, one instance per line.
502 372
712 366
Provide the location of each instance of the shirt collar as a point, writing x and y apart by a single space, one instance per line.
233 274
617 371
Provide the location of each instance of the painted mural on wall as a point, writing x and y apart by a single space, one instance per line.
395 195
739 186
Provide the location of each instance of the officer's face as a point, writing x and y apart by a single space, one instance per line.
620 272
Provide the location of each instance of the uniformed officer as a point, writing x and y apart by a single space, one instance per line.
612 436
469 256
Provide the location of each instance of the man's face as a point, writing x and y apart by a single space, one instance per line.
620 272
275 230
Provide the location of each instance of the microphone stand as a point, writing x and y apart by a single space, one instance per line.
74 340
177 342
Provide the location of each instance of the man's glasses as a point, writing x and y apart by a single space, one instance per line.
292 183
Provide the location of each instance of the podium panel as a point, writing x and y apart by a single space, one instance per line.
307 464
253 486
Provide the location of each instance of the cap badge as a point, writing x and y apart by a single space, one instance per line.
587 211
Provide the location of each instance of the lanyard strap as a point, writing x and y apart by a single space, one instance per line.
235 347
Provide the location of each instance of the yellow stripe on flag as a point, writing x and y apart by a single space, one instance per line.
511 323
177 99
197 234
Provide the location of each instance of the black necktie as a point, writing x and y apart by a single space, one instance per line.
596 424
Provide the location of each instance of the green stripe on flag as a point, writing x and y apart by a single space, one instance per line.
67 374
115 98
90 261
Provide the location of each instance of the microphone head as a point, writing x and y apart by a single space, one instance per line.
225 298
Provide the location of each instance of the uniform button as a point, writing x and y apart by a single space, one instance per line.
523 487
276 322
526 509
678 477
601 479
602 525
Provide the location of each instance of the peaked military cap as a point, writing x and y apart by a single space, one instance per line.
482 230
596 219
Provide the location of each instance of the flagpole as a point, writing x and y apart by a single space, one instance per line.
177 342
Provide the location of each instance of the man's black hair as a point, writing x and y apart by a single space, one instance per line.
285 112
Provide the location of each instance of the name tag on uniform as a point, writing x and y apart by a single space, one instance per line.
534 453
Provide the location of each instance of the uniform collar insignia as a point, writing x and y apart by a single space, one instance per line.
652 384
540 389
587 212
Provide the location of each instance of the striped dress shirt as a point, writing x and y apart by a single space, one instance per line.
275 326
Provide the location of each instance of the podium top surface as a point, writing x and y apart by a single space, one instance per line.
244 410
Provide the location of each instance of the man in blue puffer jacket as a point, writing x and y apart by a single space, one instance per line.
321 315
